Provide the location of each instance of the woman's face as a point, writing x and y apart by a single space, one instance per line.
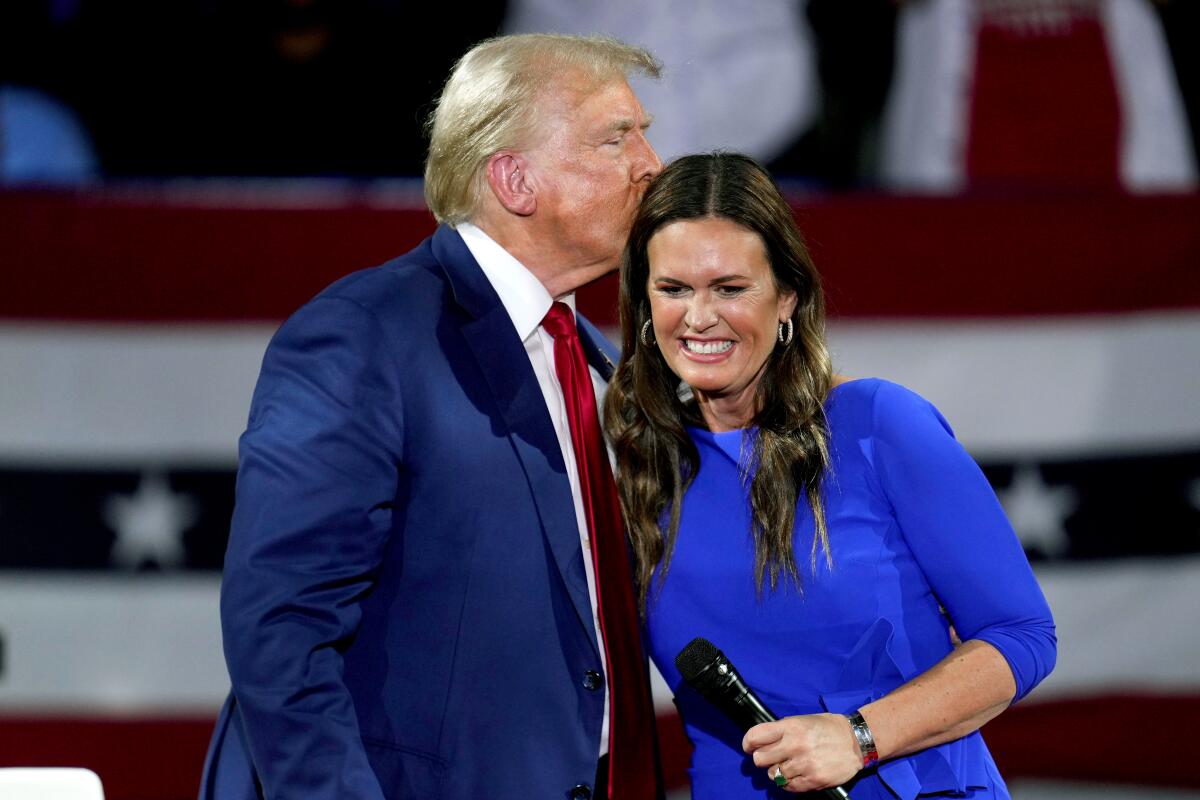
716 312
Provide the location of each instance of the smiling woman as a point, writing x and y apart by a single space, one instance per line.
738 448
717 266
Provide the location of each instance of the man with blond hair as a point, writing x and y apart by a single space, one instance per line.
421 598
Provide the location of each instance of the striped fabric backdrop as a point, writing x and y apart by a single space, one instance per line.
1059 334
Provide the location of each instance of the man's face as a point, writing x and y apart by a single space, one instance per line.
589 167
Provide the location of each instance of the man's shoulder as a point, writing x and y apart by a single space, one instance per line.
403 284
405 294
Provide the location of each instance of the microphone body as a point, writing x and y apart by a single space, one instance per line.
712 675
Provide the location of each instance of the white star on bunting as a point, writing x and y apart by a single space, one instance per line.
149 524
1037 511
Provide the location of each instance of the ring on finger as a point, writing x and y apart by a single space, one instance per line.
779 779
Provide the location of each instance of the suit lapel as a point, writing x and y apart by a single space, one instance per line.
502 359
599 351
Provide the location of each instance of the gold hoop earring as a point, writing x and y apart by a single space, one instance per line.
785 340
645 336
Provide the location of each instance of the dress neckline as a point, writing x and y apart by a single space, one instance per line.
721 438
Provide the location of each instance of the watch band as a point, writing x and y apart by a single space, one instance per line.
862 735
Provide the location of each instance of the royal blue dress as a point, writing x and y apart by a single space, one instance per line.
913 525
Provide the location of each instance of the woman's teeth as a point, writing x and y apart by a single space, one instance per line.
707 348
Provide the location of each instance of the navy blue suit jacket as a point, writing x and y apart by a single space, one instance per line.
404 609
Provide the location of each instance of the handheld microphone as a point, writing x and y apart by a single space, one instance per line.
709 672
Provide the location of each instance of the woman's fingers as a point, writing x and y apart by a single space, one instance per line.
814 751
763 735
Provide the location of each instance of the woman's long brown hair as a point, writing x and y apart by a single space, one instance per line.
645 417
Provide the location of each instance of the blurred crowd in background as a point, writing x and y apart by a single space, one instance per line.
927 95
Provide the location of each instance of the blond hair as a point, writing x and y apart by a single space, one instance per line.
488 105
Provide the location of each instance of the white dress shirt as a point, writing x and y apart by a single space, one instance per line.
527 303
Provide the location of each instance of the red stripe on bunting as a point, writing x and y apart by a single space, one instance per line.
1132 738
1117 738
155 758
100 256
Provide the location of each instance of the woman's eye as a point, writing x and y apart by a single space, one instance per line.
671 291
730 291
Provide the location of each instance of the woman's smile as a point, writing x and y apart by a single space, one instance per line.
706 349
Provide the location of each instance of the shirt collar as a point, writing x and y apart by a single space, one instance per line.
522 295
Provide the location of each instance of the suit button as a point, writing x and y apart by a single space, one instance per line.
580 792
592 680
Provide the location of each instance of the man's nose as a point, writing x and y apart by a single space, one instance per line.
649 164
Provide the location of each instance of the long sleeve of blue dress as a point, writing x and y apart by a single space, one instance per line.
959 535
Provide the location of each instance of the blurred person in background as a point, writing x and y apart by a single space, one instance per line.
828 534
276 88
42 140
738 74
426 591
1035 92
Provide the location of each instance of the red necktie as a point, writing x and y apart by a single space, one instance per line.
631 770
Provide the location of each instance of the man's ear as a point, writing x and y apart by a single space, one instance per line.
507 179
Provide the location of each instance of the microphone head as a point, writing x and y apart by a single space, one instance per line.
696 657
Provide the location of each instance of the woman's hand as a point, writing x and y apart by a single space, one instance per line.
968 687
814 751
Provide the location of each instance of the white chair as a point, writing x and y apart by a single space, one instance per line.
49 783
